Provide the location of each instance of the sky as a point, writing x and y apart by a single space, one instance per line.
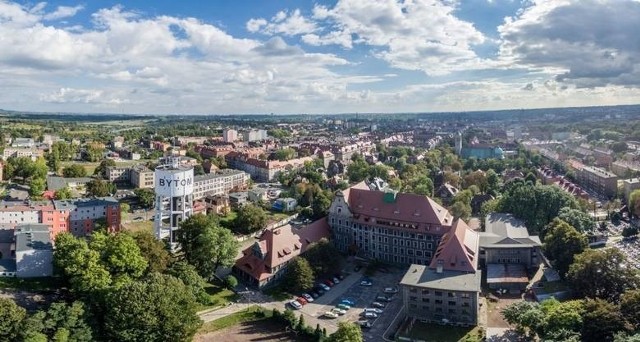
339 56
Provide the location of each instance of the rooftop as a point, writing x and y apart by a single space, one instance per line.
422 276
32 237
505 231
57 183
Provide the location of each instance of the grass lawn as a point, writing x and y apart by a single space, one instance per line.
227 221
219 295
249 314
89 166
31 284
135 226
441 333
277 293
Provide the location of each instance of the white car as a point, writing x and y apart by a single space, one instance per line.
339 311
377 305
330 314
324 287
366 283
307 297
295 304
336 280
370 315
390 290
374 310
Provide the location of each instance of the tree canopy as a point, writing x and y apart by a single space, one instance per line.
299 275
561 243
347 332
74 170
251 218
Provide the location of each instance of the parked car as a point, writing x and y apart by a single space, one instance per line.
348 302
343 306
324 287
377 305
339 311
330 314
370 315
308 297
366 283
336 280
391 290
319 290
339 276
383 298
294 304
329 283
365 324
302 300
314 294
375 310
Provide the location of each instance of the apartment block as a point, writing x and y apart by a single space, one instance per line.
141 177
598 180
221 182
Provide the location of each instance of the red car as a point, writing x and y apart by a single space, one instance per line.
302 300
329 283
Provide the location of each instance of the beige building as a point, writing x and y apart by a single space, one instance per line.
17 152
629 186
219 183
141 177
598 180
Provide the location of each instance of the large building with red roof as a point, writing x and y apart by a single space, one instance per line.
266 260
398 228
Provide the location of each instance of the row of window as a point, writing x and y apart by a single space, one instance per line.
463 312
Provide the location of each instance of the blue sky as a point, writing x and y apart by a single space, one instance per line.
210 57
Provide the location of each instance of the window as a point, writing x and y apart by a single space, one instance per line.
451 295
413 298
426 300
439 293
452 302
438 301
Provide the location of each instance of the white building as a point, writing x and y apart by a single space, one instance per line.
221 182
230 135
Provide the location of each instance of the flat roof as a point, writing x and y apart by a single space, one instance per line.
32 236
506 273
422 276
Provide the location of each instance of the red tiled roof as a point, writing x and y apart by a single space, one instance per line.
458 249
279 245
406 207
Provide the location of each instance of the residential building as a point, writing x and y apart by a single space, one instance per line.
266 260
238 199
217 204
446 192
598 180
85 213
508 252
254 135
258 194
447 290
55 183
219 183
118 174
477 150
34 251
624 168
285 205
229 135
17 152
393 227
629 186
117 142
141 177
23 143
263 170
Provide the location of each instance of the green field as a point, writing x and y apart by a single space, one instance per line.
251 313
443 333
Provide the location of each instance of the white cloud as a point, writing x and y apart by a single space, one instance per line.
63 12
285 23
589 43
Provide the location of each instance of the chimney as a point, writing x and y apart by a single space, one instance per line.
439 266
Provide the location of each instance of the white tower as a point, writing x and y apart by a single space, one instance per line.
174 198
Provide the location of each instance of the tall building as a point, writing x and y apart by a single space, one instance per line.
446 291
229 135
174 198
393 227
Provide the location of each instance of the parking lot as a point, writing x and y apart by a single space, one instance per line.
362 296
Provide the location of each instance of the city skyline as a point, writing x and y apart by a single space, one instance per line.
324 57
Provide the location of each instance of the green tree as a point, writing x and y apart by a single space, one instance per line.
562 316
11 317
250 219
561 243
62 194
602 274
101 170
159 308
120 255
124 210
320 205
323 256
527 317
190 277
61 322
630 307
601 320
74 170
634 202
37 186
146 197
578 219
285 154
461 210
100 188
347 332
153 250
230 281
299 276
206 245
80 265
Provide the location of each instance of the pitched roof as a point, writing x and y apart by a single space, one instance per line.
279 245
505 231
458 249
397 207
